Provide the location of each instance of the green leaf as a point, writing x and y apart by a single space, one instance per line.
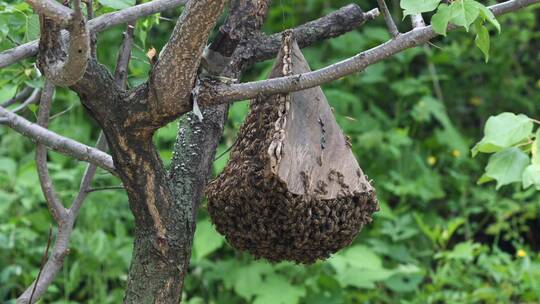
482 39
464 13
276 289
507 166
117 4
32 25
360 267
503 131
487 15
206 240
440 20
249 279
463 251
413 7
531 176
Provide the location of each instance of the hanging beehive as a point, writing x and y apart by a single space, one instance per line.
292 189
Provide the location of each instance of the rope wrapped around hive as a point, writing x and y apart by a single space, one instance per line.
292 189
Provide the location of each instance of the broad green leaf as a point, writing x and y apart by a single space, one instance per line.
413 7
249 278
463 251
440 20
487 15
206 240
464 13
503 131
117 4
360 267
482 39
507 166
531 176
363 277
484 179
276 289
404 282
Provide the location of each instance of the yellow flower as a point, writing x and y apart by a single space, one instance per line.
456 153
432 160
538 83
475 101
521 253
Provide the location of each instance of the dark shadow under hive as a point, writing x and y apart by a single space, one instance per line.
292 189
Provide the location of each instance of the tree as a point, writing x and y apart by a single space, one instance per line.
165 203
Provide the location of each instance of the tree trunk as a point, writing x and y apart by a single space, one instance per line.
163 241
164 226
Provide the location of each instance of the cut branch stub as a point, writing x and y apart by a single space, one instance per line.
292 189
63 64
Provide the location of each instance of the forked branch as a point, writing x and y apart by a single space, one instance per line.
172 78
94 26
262 47
223 93
57 142
64 67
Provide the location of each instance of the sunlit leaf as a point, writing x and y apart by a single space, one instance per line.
507 166
413 7
440 20
502 131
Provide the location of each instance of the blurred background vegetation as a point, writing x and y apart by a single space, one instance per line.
439 237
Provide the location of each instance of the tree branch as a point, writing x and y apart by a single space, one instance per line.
262 47
61 14
65 218
417 21
86 181
94 26
226 93
51 197
23 94
33 98
57 142
390 24
172 78
64 67
124 55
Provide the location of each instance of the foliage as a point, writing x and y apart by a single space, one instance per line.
511 138
439 238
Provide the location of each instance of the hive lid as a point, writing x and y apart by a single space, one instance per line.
316 158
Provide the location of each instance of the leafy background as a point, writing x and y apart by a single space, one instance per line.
439 238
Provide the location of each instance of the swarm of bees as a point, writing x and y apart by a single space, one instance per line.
258 211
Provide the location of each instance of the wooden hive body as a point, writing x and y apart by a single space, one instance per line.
292 189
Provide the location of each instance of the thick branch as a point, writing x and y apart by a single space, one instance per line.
94 26
53 10
418 36
64 67
173 76
337 23
57 142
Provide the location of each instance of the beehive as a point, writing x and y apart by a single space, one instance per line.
292 189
